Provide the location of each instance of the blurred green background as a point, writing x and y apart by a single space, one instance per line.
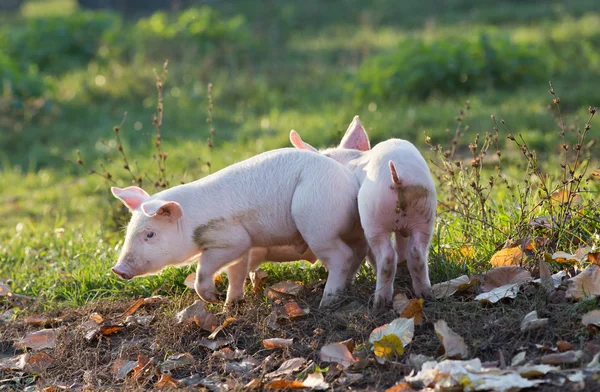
70 70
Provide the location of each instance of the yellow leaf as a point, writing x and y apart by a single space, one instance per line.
388 347
414 309
508 256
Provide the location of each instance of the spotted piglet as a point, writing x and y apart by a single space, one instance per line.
397 196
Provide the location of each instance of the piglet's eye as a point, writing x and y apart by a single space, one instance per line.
149 234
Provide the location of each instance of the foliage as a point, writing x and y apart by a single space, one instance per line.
451 65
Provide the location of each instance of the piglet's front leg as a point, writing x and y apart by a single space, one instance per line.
210 262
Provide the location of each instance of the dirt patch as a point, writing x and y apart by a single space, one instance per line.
492 333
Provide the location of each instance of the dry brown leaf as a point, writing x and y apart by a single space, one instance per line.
414 309
109 328
595 174
282 290
28 362
446 289
585 284
258 279
495 295
122 367
214 344
227 322
294 311
567 357
41 321
176 361
531 321
135 306
284 384
564 257
97 317
271 344
402 387
190 280
144 321
156 300
143 365
563 346
563 197
4 289
166 380
337 353
591 318
197 313
400 301
45 338
229 354
508 257
454 344
594 257
500 276
541 221
287 367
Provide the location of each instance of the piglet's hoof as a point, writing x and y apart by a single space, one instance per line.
207 294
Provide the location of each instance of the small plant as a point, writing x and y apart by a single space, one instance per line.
542 211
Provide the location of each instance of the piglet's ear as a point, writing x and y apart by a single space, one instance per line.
299 143
356 137
131 196
162 209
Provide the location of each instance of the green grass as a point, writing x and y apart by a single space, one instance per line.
58 237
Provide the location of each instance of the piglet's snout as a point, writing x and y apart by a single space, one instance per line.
121 274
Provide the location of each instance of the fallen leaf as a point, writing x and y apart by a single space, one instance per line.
448 288
595 362
229 354
337 353
594 257
283 290
387 336
531 321
563 346
166 380
563 197
198 314
508 257
417 360
585 284
595 174
501 276
258 279
227 322
294 311
109 328
144 321
274 343
45 338
41 321
388 347
176 361
457 374
533 371
495 295
556 279
518 359
190 280
315 381
347 378
156 300
284 384
414 309
287 367
243 367
454 344
4 289
28 363
564 257
400 302
214 344
567 357
135 306
591 318
7 316
402 387
97 317
143 364
121 368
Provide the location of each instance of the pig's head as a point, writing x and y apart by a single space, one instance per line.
353 144
153 240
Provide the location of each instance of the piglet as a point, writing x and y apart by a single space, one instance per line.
284 197
397 196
